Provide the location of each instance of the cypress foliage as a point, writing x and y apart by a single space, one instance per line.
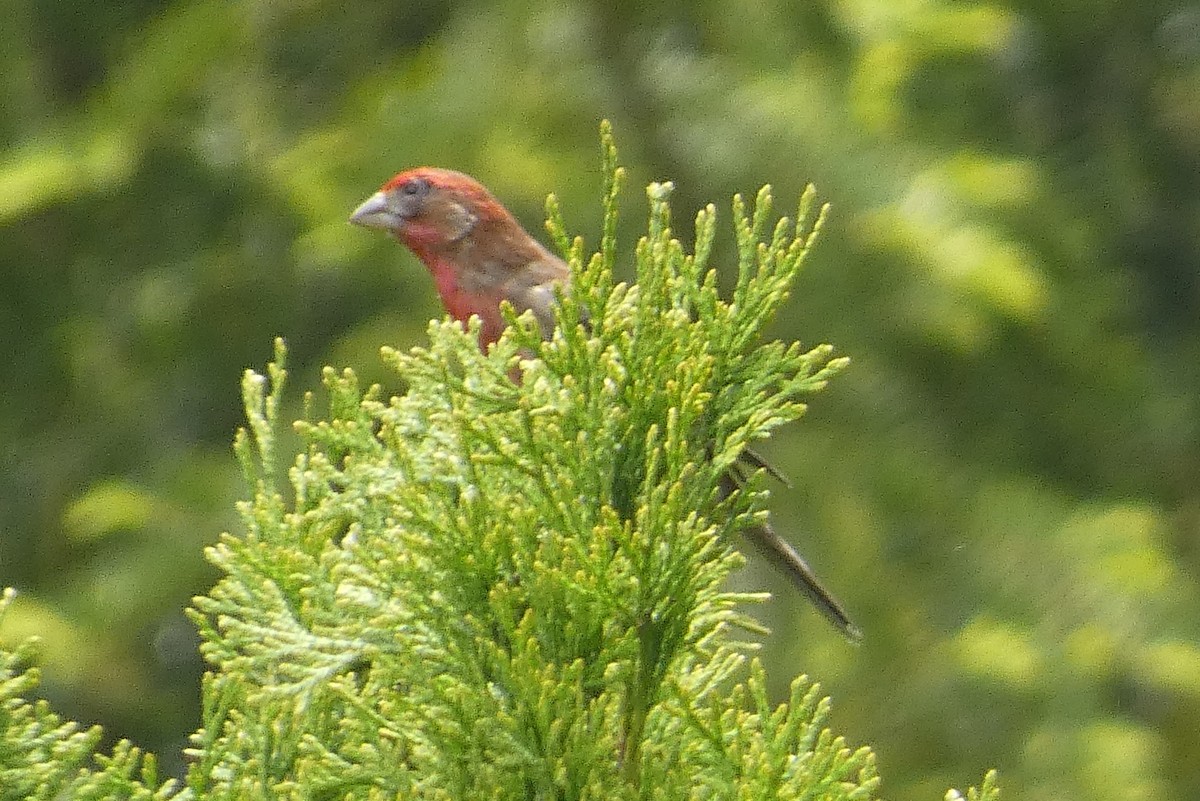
488 588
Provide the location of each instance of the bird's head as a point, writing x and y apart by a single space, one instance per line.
429 209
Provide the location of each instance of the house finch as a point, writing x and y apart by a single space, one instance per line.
479 255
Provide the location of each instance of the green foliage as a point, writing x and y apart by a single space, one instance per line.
988 791
482 588
44 757
496 588
1003 491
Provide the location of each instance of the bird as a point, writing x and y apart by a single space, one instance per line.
479 255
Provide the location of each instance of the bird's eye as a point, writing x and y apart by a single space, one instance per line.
415 187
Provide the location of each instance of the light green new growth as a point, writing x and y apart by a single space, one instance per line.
490 589
43 757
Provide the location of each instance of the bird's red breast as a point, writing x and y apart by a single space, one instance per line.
476 251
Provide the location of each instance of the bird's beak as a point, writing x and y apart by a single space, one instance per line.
376 213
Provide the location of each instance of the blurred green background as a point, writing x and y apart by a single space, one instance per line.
1003 489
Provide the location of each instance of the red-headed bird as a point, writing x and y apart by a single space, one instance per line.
479 255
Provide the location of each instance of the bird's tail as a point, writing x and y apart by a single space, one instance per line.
768 542
781 553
